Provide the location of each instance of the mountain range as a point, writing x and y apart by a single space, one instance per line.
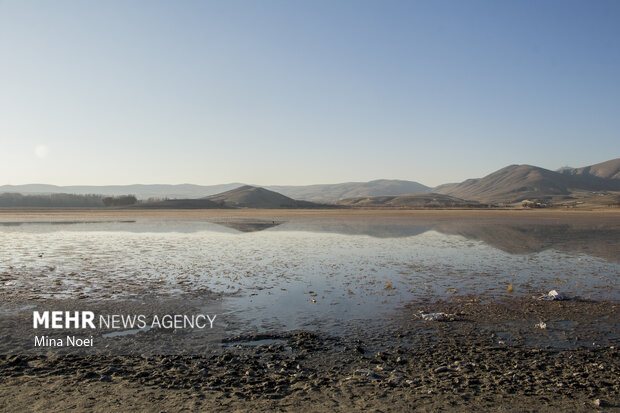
606 170
316 193
428 200
516 183
511 184
141 191
335 192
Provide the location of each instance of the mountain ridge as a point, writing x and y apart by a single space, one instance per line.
608 170
316 193
428 200
142 191
334 192
515 183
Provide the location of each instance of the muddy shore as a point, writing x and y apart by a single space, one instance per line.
492 354
492 357
524 215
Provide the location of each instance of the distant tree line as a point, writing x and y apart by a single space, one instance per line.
15 200
122 200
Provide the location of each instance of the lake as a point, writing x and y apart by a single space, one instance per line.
318 272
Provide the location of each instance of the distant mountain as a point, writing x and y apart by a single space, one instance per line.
515 183
606 170
255 197
408 201
140 191
334 192
179 204
317 193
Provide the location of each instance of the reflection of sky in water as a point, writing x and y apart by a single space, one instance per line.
278 271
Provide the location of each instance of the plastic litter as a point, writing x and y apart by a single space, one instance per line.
554 295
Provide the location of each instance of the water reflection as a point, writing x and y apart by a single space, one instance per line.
250 226
306 272
601 241
597 240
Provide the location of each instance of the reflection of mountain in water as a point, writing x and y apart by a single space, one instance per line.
242 225
249 226
378 229
515 238
20 223
600 241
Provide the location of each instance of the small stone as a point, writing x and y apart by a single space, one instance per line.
441 369
364 372
394 380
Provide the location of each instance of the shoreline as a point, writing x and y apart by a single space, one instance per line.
492 356
57 215
468 364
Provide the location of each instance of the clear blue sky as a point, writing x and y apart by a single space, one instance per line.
300 92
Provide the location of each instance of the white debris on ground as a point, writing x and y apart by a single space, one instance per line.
437 317
542 325
554 295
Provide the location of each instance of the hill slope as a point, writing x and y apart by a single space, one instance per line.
334 192
408 201
518 182
607 170
255 197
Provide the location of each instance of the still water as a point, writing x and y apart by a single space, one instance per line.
305 273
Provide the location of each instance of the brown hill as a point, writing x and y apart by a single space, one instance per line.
606 170
408 201
254 197
515 183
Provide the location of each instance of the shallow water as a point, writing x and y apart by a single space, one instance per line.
300 274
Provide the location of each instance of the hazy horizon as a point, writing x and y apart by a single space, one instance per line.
291 93
224 183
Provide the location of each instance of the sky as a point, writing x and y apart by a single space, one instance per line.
302 92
